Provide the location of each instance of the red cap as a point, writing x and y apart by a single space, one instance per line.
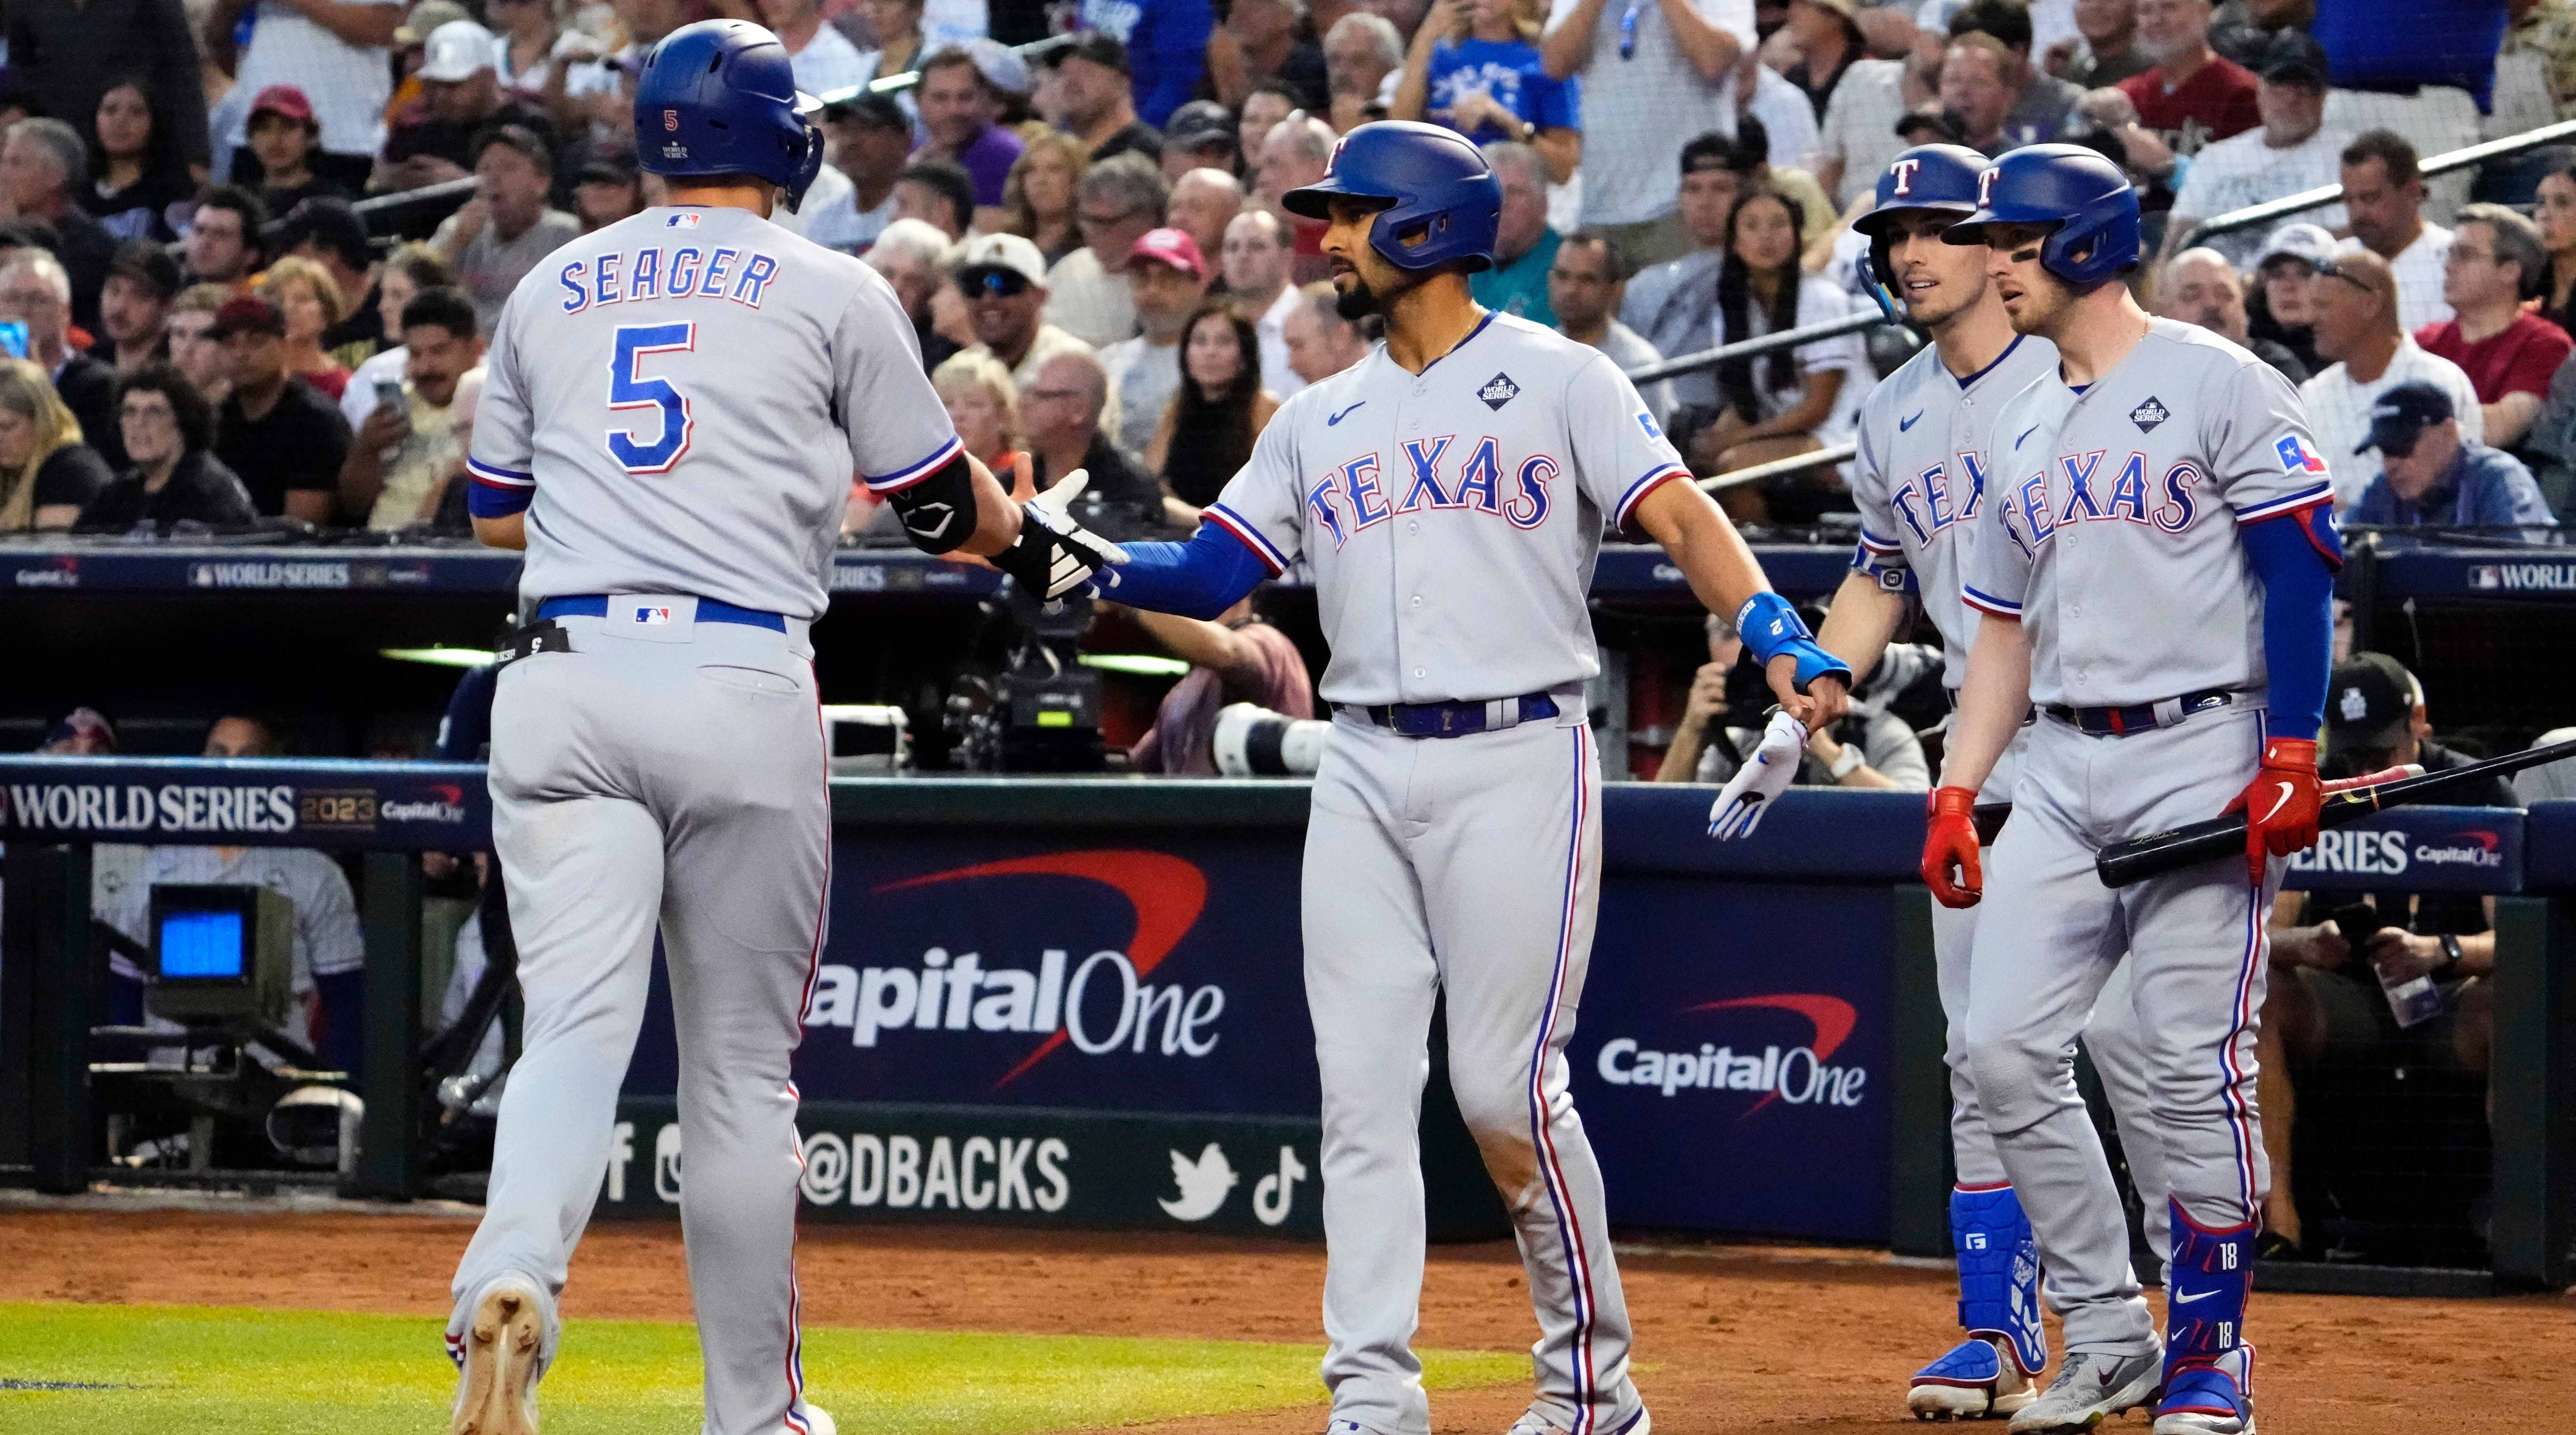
248 314
284 100
1173 247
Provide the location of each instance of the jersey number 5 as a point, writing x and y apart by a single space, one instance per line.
630 389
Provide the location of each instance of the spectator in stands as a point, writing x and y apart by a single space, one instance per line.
172 475
1061 409
1169 275
287 140
2383 195
524 51
303 291
937 193
2289 153
285 439
2495 264
1238 658
223 236
1204 202
1827 37
2200 287
134 305
44 169
82 732
1263 43
871 140
1162 49
2192 96
1652 74
1297 152
1006 298
1255 268
2108 51
606 188
2325 1009
908 255
194 350
1722 723
821 57
2555 213
1584 286
410 271
1201 137
461 100
329 233
2042 102
2354 302
1207 431
507 228
400 459
1321 343
900 45
2429 476
2280 305
2550 781
36 292
141 175
1787 121
335 53
47 474
1977 74
1789 401
1475 67
984 407
1098 100
1119 199
958 110
1039 195
1524 247
1674 304
1857 136
71 54
1270 104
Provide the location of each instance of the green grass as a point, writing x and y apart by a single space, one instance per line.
223 1369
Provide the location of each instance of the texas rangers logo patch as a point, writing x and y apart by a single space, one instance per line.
2295 457
1498 391
2149 414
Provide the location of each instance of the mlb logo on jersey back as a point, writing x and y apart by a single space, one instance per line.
684 219
2296 457
2149 414
1498 391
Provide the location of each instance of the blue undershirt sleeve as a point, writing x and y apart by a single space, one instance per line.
2296 555
1197 579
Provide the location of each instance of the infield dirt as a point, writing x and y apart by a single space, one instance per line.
1729 1339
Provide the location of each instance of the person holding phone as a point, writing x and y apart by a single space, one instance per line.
400 460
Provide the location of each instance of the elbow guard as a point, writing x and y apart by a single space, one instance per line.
938 509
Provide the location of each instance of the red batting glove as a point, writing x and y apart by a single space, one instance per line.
2280 804
1950 844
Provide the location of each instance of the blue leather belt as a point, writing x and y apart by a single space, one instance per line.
1456 719
595 605
2142 717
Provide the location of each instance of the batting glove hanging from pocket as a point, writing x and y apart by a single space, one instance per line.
1764 776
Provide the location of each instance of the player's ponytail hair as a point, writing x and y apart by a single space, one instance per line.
1735 384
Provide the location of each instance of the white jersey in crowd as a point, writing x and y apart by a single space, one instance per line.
688 393
1821 300
2111 517
2418 268
2242 170
2338 408
1452 518
1924 473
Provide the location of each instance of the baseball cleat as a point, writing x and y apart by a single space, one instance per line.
1531 1424
1977 1380
2091 1387
2210 1397
502 1355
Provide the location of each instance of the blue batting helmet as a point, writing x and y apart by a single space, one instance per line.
2082 197
717 97
1935 178
1427 178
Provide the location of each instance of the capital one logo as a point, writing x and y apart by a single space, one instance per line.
1799 1075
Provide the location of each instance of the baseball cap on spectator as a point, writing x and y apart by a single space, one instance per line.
1928 127
285 100
877 112
248 314
2401 414
1174 247
991 254
148 264
80 730
457 50
602 165
999 64
1200 124
2370 699
1100 48
2293 58
425 20
2308 243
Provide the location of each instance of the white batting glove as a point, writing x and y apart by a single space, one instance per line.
1072 553
1764 776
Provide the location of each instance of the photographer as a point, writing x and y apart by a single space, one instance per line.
1237 659
1722 721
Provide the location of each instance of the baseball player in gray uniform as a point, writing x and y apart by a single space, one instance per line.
1450 492
673 409
2153 570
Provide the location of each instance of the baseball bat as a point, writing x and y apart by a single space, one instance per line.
2122 863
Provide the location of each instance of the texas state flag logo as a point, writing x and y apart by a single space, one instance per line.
2296 457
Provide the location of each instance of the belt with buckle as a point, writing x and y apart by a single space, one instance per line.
1458 719
595 605
2141 717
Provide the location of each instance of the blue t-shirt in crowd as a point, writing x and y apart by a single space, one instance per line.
2485 488
1166 44
2396 45
1509 71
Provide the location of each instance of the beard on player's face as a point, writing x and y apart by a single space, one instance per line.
1368 293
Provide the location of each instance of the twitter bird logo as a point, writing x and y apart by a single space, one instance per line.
1203 1184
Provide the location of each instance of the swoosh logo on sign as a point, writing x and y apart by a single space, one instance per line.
1903 424
1346 413
2278 803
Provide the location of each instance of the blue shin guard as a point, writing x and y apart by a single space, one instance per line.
1999 1273
2208 1366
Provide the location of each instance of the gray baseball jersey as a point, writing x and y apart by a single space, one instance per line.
1920 479
687 393
1452 517
2110 524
